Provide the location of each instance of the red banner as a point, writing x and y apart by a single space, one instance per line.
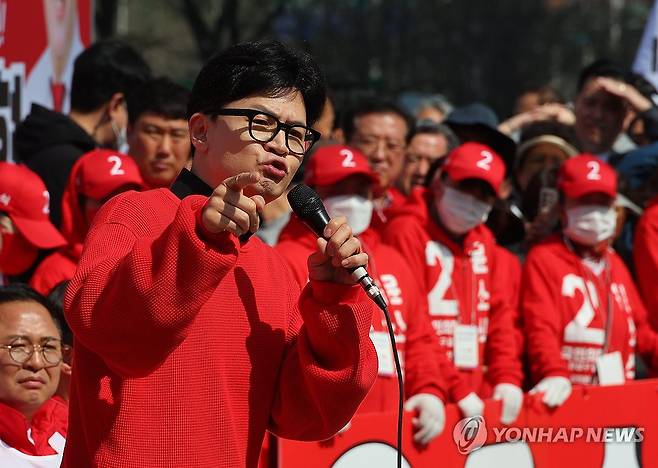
39 40
598 427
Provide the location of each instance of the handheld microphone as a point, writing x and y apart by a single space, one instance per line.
307 205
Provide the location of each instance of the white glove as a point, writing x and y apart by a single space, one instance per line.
556 390
471 405
512 397
431 418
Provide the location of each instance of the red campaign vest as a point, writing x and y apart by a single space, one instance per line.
458 285
583 306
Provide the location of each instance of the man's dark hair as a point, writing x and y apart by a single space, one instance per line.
601 68
105 68
266 68
372 106
20 292
160 96
56 298
433 128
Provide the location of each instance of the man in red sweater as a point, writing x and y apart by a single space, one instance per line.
95 178
344 181
33 422
583 317
192 337
466 278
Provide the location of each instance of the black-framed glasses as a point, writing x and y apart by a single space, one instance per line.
52 350
264 127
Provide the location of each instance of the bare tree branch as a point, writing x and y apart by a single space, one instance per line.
225 28
266 24
200 30
230 16
105 18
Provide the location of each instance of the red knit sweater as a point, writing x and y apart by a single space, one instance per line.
189 345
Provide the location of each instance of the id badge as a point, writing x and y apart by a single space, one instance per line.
382 343
610 369
465 346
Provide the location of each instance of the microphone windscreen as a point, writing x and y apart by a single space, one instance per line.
304 201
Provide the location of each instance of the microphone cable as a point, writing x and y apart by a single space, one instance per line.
398 370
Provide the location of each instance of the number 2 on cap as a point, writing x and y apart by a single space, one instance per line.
348 160
594 170
485 162
116 168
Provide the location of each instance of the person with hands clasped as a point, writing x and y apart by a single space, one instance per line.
191 336
343 179
467 279
583 317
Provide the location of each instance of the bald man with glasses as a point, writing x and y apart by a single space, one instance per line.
33 422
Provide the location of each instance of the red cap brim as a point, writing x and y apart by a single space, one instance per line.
41 234
577 190
463 175
334 177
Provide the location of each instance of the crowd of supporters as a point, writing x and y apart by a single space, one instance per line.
515 256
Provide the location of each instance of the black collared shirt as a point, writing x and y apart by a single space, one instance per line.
188 183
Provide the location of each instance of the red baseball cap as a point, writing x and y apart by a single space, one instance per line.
101 172
585 174
475 161
333 163
23 196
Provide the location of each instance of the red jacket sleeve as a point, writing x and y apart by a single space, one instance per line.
541 319
509 268
502 351
330 362
133 283
407 236
646 337
422 368
645 255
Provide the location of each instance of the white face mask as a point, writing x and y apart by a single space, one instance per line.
590 224
461 212
357 210
121 135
